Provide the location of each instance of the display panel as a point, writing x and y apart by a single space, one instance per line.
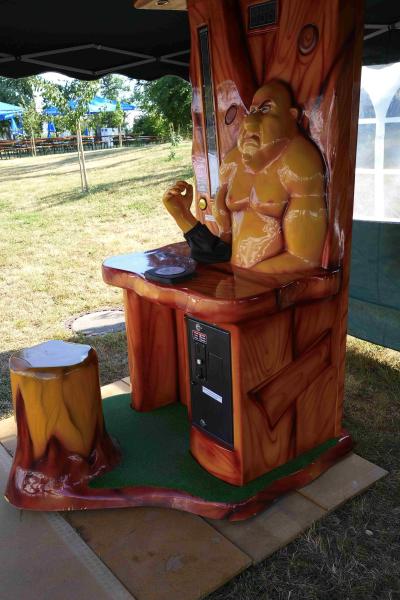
208 105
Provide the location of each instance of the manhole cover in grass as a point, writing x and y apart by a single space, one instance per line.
99 322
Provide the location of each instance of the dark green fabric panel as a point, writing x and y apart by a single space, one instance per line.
374 323
155 448
375 283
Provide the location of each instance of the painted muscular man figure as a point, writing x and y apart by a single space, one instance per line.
270 208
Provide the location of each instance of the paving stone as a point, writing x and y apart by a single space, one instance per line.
42 558
8 434
343 481
112 389
161 554
274 528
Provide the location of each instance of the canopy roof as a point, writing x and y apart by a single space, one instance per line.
96 105
90 39
8 111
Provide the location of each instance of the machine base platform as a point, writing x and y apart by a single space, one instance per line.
157 469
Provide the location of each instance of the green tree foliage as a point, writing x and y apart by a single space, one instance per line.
79 94
151 125
164 102
113 87
32 121
17 91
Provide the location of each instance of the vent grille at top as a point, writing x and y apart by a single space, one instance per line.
261 15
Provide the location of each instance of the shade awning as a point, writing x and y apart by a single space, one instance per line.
139 43
97 105
8 111
90 39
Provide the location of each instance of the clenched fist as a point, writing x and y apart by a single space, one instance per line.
178 200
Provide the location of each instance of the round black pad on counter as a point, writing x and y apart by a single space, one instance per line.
169 274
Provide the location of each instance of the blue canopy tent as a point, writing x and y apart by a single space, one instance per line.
8 111
51 130
96 105
11 112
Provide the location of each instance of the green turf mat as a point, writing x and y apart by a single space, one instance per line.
155 447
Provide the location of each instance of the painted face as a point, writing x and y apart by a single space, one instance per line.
270 122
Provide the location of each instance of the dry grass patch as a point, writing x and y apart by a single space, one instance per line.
54 239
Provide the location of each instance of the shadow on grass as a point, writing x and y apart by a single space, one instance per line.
142 181
37 170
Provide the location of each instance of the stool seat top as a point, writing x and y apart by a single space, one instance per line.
54 353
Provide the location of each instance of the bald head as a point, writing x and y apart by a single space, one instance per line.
274 92
271 122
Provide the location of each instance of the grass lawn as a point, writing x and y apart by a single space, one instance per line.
53 239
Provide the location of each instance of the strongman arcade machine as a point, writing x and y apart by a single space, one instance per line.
236 336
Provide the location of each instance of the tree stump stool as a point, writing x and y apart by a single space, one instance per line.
62 440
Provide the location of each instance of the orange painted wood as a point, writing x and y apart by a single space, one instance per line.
152 352
78 496
315 411
316 49
260 348
312 320
220 292
183 360
287 331
62 441
233 88
278 394
249 306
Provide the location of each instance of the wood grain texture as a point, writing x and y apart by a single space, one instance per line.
316 49
278 393
80 497
233 85
183 360
221 292
287 332
62 441
152 352
312 320
315 409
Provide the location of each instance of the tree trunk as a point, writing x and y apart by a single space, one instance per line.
120 136
82 163
78 149
62 441
33 145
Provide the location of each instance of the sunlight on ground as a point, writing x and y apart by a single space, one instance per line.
55 238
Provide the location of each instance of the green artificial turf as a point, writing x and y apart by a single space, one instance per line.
155 448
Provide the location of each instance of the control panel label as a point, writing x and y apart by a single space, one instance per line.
212 394
199 336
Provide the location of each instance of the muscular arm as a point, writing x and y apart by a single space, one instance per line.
205 246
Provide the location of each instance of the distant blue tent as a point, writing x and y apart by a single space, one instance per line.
13 125
8 111
97 105
51 130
